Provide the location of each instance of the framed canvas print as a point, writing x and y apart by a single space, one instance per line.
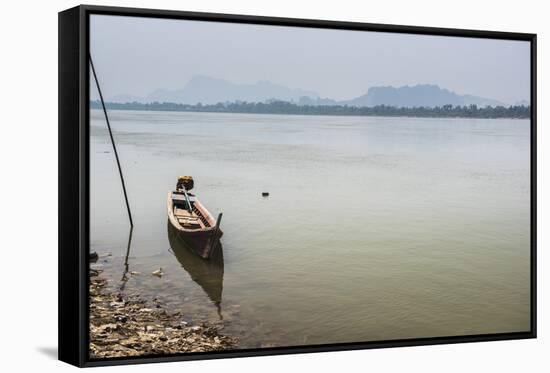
237 186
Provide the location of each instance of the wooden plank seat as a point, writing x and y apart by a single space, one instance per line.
183 212
187 219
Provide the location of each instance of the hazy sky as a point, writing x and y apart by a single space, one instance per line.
139 55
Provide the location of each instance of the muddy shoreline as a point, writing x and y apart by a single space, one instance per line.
123 325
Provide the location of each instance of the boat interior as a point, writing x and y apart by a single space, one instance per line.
188 218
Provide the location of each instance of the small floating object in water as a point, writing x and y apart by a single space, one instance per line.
265 194
158 272
133 273
94 257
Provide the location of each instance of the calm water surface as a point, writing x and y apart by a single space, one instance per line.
375 228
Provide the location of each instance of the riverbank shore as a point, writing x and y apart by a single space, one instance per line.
126 325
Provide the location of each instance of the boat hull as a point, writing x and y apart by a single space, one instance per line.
203 243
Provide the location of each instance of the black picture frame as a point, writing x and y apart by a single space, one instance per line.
74 73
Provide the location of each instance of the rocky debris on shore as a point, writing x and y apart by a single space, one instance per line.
123 325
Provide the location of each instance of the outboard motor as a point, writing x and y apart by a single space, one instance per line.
185 183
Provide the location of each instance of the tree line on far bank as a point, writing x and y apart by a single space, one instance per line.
284 107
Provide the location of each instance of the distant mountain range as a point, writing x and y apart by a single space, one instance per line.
427 95
207 90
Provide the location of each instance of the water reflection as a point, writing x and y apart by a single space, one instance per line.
208 274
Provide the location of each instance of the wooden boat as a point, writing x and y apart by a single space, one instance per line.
193 222
208 274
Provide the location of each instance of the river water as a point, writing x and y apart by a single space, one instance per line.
375 228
